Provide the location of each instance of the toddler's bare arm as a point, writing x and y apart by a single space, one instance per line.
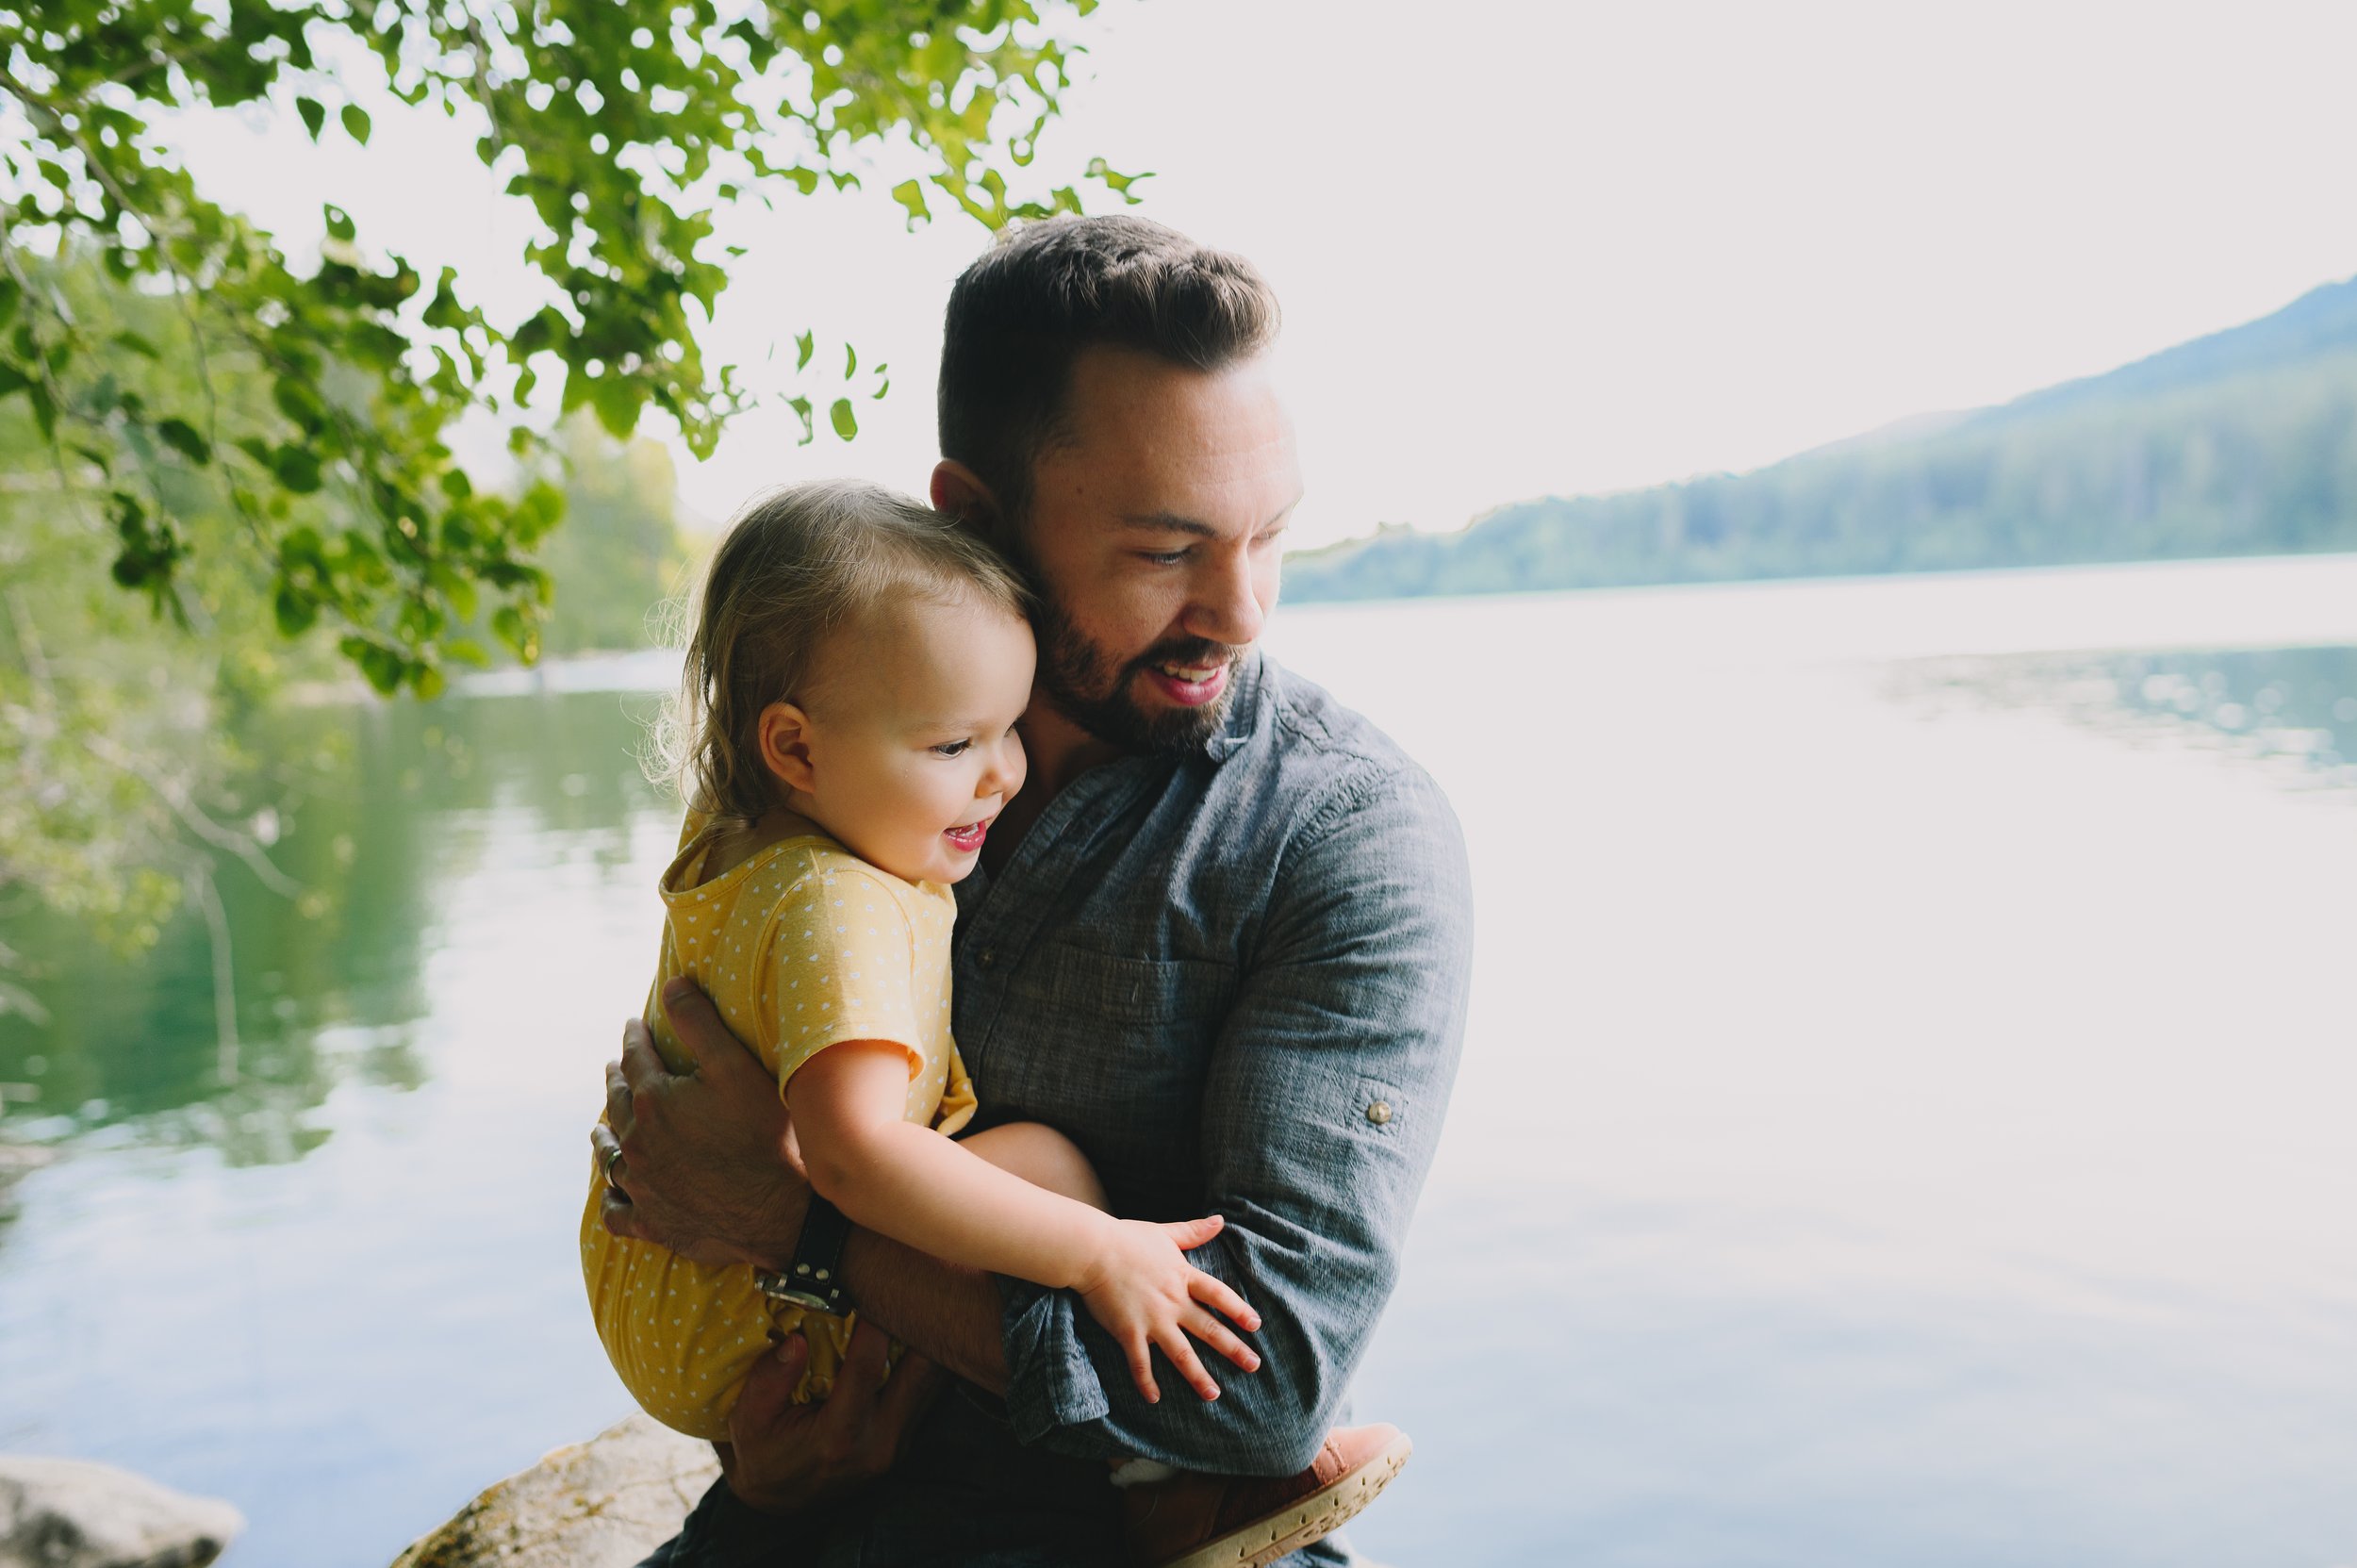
903 1181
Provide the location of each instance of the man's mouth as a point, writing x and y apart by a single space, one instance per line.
1188 682
969 837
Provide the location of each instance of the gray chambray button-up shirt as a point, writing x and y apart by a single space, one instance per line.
1238 982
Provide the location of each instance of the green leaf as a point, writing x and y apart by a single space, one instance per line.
508 625
339 224
539 508
138 344
355 120
455 586
443 309
314 115
300 404
851 361
617 399
182 437
1115 181
541 333
296 611
845 423
805 345
297 468
426 681
911 194
383 667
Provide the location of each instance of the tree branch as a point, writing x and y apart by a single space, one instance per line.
175 795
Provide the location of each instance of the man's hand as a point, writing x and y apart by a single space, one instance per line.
783 1458
700 1161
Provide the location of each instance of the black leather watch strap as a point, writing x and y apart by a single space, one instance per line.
814 1278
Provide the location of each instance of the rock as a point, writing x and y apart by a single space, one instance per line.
73 1513
606 1503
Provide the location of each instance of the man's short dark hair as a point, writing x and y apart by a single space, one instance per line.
1024 311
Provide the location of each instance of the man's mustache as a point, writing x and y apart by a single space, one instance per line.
1193 652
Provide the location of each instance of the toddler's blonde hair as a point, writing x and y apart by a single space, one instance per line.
801 565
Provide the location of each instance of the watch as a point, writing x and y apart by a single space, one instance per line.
814 1280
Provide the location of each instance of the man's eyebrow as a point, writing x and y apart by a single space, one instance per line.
1173 522
1169 522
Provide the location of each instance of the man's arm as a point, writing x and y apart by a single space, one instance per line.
1320 1116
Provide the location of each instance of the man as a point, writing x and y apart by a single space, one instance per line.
1221 940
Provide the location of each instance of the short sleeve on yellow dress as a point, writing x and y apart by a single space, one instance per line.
800 945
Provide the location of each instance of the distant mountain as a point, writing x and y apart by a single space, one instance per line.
2243 443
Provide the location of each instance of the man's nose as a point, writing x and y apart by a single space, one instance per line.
1226 606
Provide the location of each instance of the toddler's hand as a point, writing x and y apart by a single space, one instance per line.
1142 1288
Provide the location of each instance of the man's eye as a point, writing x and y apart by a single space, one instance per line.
951 747
1162 557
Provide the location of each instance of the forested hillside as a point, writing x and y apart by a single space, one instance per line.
2244 442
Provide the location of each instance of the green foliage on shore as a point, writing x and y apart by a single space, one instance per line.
2241 443
626 126
129 775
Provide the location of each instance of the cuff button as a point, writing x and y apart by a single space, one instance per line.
1379 1112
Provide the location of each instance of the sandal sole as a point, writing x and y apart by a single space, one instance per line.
1300 1524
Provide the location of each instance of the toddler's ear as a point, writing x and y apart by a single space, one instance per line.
785 732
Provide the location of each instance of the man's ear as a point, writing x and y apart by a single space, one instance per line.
784 734
959 492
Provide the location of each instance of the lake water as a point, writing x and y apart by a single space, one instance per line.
1909 1113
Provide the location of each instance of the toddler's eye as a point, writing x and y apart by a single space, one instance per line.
951 747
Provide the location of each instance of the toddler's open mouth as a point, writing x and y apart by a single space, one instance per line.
969 837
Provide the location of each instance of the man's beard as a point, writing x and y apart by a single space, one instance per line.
1073 670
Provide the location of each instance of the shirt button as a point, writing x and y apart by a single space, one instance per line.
1379 1112
987 958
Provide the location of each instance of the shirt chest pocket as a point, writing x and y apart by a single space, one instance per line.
1084 986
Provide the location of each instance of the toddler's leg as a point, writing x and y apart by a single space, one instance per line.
1042 1156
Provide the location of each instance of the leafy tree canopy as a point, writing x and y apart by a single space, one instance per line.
625 124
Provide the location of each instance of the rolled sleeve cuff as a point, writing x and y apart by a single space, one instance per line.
1051 1384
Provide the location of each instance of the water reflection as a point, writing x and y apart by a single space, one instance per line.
376 812
2293 709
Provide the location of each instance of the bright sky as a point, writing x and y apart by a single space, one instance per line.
1554 248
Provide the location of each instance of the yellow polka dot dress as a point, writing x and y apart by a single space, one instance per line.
802 946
